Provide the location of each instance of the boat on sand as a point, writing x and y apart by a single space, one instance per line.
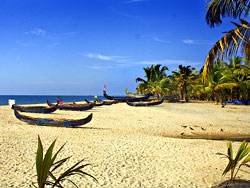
34 109
124 99
73 107
53 121
144 103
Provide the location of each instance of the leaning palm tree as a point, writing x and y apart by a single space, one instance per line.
235 39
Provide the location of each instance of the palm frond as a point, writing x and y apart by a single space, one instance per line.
140 80
228 46
218 9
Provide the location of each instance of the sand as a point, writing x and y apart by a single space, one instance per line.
130 146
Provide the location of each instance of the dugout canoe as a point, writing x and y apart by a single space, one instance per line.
34 109
95 103
72 107
133 95
144 103
53 121
124 99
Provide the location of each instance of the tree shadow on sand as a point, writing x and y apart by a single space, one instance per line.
94 128
233 184
227 136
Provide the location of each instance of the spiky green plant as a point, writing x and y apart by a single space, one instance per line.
243 153
45 167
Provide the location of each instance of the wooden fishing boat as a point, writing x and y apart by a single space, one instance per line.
124 99
73 107
95 103
144 103
133 95
109 102
52 121
34 109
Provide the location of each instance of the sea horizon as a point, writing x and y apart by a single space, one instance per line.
41 99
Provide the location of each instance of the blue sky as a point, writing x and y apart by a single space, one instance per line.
74 47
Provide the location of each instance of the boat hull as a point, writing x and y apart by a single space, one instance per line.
124 99
144 103
34 109
73 107
53 122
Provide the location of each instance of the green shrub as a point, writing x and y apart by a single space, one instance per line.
45 167
243 153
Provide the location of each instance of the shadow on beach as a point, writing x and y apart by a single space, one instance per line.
232 137
233 184
90 128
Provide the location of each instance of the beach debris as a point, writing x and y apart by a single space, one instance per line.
184 126
221 130
191 128
182 133
203 129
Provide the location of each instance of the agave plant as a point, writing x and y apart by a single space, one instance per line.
243 153
45 167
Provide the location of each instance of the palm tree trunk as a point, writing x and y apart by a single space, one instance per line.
185 91
221 97
231 94
238 94
216 98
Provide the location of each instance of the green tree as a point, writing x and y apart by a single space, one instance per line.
237 78
213 86
153 75
183 77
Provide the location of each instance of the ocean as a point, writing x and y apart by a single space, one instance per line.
40 99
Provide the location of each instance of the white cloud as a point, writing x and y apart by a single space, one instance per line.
198 42
99 67
169 61
37 32
160 40
107 58
99 56
188 41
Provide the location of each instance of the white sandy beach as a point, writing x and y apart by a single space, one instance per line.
129 146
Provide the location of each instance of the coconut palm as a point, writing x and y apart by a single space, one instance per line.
222 8
153 75
169 87
237 77
197 89
214 85
183 78
234 39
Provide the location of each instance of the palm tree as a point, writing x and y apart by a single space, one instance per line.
214 83
237 77
183 77
234 39
153 75
197 89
